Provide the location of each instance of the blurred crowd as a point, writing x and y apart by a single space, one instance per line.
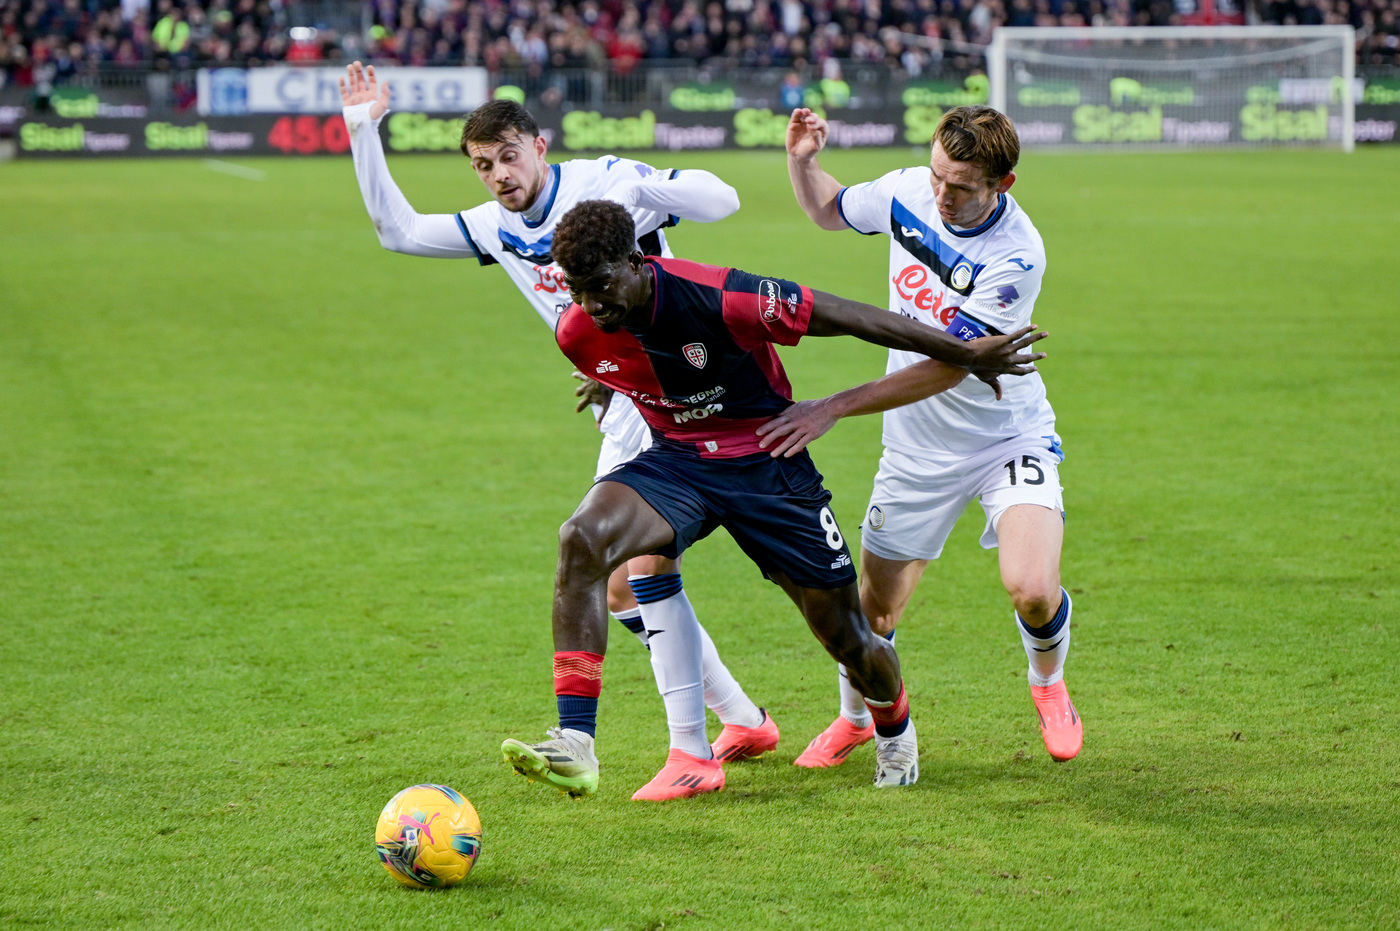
53 40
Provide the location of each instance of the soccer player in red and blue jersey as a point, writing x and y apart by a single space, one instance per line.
692 346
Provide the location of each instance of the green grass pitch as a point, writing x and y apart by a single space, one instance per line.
277 531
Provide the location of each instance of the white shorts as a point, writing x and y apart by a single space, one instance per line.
625 434
916 501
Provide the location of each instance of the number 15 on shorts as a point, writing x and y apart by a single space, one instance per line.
1031 473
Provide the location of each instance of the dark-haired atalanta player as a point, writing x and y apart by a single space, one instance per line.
692 345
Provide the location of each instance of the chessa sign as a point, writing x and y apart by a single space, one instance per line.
234 91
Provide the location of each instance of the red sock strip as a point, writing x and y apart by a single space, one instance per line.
890 715
577 672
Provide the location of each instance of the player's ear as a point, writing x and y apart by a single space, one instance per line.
1004 184
541 147
636 260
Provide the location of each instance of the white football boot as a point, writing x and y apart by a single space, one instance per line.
565 762
897 759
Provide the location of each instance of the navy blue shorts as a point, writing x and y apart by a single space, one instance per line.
775 509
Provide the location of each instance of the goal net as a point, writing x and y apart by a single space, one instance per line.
1166 86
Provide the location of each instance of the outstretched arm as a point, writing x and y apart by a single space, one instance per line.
815 189
691 194
805 421
986 358
400 227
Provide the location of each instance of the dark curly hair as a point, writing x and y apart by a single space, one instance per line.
493 122
593 234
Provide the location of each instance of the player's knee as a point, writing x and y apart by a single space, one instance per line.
581 549
882 617
1035 599
855 648
652 565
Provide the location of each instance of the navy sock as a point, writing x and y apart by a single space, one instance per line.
578 713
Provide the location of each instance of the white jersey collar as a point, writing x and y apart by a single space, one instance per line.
982 227
537 212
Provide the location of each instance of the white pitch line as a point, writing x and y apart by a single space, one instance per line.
229 168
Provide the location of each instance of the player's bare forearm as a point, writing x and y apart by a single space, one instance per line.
986 357
816 190
838 316
816 193
918 381
791 431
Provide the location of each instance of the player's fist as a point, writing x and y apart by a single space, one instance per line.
806 134
361 86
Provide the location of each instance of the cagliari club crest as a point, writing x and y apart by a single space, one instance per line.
695 354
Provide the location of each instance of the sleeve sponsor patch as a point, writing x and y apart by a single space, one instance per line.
776 297
771 310
965 327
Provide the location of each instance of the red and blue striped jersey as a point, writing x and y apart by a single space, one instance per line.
703 370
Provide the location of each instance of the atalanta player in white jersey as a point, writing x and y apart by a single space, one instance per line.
965 258
692 345
515 230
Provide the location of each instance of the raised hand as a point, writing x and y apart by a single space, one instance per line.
1002 355
806 134
361 86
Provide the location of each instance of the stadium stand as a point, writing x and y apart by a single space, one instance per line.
49 43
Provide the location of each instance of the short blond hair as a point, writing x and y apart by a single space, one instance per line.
982 136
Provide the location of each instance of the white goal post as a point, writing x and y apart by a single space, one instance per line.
1176 86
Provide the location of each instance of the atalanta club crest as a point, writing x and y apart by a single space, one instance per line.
962 276
695 354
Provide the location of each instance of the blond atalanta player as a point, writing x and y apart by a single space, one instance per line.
965 258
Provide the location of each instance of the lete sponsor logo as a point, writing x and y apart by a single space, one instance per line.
910 285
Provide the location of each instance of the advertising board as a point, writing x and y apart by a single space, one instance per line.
621 130
282 89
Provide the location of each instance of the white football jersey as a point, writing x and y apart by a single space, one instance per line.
522 247
972 282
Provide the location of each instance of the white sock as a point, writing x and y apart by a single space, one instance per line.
853 707
632 620
852 702
723 693
1047 647
675 638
